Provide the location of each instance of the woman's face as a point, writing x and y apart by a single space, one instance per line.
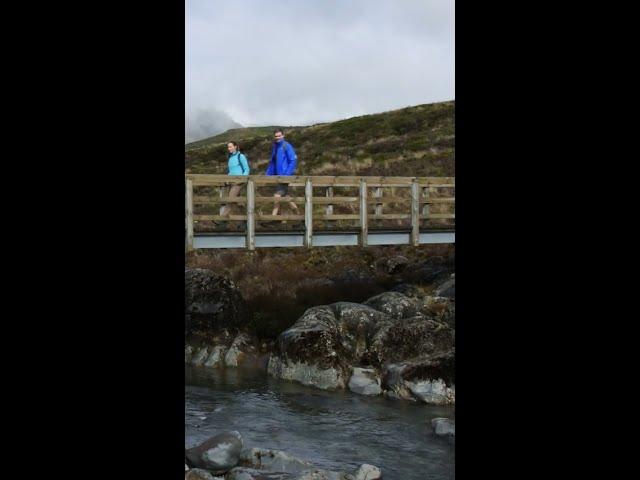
231 147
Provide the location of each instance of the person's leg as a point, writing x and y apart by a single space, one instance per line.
233 192
276 204
280 192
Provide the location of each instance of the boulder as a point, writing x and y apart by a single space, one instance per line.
242 350
310 351
326 342
356 324
216 356
446 289
306 373
199 474
212 303
245 473
396 264
407 338
441 309
444 427
394 304
320 474
218 454
365 381
199 356
428 379
368 472
265 464
272 460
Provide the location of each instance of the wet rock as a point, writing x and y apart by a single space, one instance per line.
307 374
242 350
216 356
428 379
442 309
394 304
311 352
446 289
356 324
199 356
394 385
367 472
433 392
319 474
396 264
245 473
218 454
188 353
212 302
408 338
444 427
273 460
326 341
365 381
199 474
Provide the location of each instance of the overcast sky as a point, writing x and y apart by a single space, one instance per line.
299 62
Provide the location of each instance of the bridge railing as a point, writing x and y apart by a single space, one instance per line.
364 201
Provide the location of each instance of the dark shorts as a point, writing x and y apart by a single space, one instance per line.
282 189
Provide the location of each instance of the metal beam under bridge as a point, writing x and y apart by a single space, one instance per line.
320 239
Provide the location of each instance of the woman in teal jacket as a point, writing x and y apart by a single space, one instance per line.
238 165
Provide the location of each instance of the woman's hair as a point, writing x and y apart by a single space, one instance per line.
235 145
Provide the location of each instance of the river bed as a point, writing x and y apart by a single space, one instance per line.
333 430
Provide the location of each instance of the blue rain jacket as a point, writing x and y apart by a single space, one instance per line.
283 159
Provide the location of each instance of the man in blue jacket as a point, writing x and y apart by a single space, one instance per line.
283 162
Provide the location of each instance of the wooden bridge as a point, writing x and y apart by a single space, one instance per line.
338 210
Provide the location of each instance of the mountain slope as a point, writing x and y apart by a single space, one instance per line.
413 141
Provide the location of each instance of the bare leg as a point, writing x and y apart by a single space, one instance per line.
276 205
233 192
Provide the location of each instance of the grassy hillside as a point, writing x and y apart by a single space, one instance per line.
413 141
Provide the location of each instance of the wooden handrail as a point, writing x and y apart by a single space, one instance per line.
364 201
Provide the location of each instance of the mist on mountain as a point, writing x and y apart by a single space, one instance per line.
206 123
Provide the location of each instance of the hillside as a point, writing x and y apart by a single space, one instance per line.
413 141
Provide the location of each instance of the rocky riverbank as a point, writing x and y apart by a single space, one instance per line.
400 343
224 457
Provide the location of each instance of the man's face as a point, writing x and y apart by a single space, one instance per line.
278 136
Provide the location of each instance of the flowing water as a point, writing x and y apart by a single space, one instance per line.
335 431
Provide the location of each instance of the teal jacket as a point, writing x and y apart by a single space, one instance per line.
238 164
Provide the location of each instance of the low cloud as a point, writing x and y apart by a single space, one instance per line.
298 62
206 123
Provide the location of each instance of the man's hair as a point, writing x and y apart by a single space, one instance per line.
278 130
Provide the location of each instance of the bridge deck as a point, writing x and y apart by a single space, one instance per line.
320 238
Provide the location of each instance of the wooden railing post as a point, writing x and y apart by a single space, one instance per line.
363 213
223 193
251 221
415 213
308 213
189 212
425 207
329 194
378 194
